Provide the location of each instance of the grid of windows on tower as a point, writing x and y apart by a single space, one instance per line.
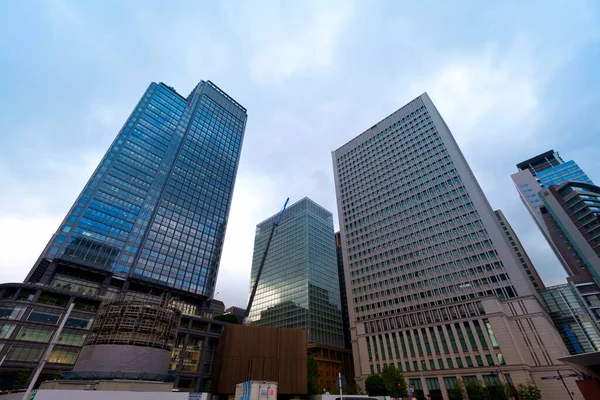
157 205
413 236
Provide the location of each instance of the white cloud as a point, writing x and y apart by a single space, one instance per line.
255 200
23 240
485 94
288 41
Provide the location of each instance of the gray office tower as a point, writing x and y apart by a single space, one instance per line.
432 285
299 286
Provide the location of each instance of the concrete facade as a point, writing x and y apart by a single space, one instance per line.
432 284
519 251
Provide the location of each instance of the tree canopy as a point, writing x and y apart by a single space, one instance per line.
375 386
394 382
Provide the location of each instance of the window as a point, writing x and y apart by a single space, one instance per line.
489 359
459 362
6 330
43 317
11 312
441 363
501 359
479 361
450 363
18 353
63 356
450 381
490 332
469 361
79 322
72 339
28 334
491 379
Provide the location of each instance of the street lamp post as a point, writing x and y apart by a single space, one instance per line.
423 366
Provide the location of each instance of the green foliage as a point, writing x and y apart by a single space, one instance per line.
498 391
375 386
208 387
458 391
475 390
22 379
313 376
529 391
230 318
352 388
394 382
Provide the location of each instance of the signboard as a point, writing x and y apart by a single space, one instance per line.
33 393
342 382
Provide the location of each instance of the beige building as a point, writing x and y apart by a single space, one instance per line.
519 251
432 285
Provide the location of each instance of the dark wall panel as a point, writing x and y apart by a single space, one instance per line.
261 354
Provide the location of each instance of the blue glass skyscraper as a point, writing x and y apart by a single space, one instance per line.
156 207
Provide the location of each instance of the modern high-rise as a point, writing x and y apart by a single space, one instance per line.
156 207
544 170
571 214
432 284
149 222
299 286
519 251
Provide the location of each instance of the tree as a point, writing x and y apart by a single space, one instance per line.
208 387
232 319
394 381
498 391
529 391
457 392
22 379
475 390
352 388
313 375
375 386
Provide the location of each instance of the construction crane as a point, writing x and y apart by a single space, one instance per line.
262 262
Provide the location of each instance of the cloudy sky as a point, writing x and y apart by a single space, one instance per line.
512 80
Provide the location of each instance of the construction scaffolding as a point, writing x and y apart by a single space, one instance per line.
147 321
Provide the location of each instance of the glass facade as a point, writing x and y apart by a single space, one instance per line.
299 285
572 318
156 207
568 171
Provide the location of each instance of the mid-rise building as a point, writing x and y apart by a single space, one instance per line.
572 318
237 311
432 285
571 214
149 222
519 251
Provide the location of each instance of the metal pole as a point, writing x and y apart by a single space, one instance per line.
340 385
564 384
46 356
262 261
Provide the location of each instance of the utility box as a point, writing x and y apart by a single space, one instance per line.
256 390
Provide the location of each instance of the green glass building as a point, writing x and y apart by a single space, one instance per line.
299 285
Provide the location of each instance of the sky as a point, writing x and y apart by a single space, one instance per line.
511 79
